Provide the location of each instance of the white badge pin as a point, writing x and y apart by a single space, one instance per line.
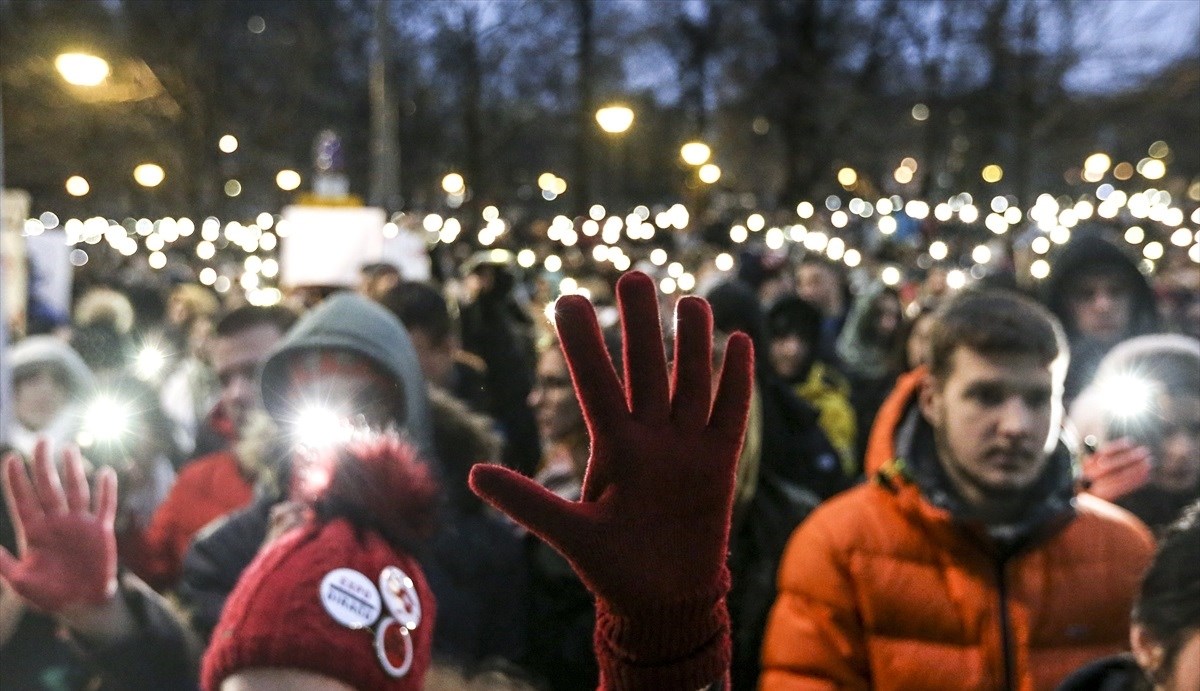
350 598
400 596
389 638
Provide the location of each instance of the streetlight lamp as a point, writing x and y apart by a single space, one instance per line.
77 186
79 69
454 184
82 69
709 173
614 119
287 179
149 175
695 153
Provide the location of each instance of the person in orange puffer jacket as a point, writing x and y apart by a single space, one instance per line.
968 560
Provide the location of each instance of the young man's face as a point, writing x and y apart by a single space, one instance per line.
238 359
555 407
344 384
995 418
1101 305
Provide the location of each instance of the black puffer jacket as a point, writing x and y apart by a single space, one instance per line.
1115 673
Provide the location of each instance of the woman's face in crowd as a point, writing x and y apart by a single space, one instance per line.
559 417
788 353
38 398
917 347
1176 445
887 316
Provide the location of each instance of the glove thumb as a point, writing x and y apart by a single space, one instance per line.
543 513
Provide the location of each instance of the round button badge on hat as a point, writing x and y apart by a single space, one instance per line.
350 598
393 643
400 596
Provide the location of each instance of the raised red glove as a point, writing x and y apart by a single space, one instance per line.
650 534
68 549
1118 467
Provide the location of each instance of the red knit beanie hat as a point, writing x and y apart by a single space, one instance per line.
335 597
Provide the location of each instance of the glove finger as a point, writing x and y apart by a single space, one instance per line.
106 496
691 396
23 505
732 403
542 512
45 477
592 373
78 494
645 358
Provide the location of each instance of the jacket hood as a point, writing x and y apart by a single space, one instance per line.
36 351
1158 357
1085 253
902 448
861 356
352 323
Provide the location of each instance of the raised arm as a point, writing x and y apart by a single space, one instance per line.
650 534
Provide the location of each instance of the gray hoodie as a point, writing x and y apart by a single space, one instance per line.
353 323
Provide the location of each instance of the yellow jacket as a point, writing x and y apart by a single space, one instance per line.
827 391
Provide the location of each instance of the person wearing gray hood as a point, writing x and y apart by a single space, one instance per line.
340 336
352 358
50 384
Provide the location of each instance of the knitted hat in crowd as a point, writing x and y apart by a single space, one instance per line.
340 596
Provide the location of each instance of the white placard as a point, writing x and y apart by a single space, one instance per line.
51 270
327 246
407 252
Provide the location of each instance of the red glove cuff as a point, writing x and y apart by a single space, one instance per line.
679 645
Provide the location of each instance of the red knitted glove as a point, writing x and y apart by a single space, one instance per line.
68 550
650 534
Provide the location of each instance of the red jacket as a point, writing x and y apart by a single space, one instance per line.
881 588
206 488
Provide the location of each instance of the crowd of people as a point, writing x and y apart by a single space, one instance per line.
791 480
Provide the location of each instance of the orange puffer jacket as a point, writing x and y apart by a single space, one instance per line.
879 588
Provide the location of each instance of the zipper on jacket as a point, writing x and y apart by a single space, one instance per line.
1005 631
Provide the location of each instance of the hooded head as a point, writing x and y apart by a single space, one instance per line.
350 334
872 328
49 382
1097 292
793 332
